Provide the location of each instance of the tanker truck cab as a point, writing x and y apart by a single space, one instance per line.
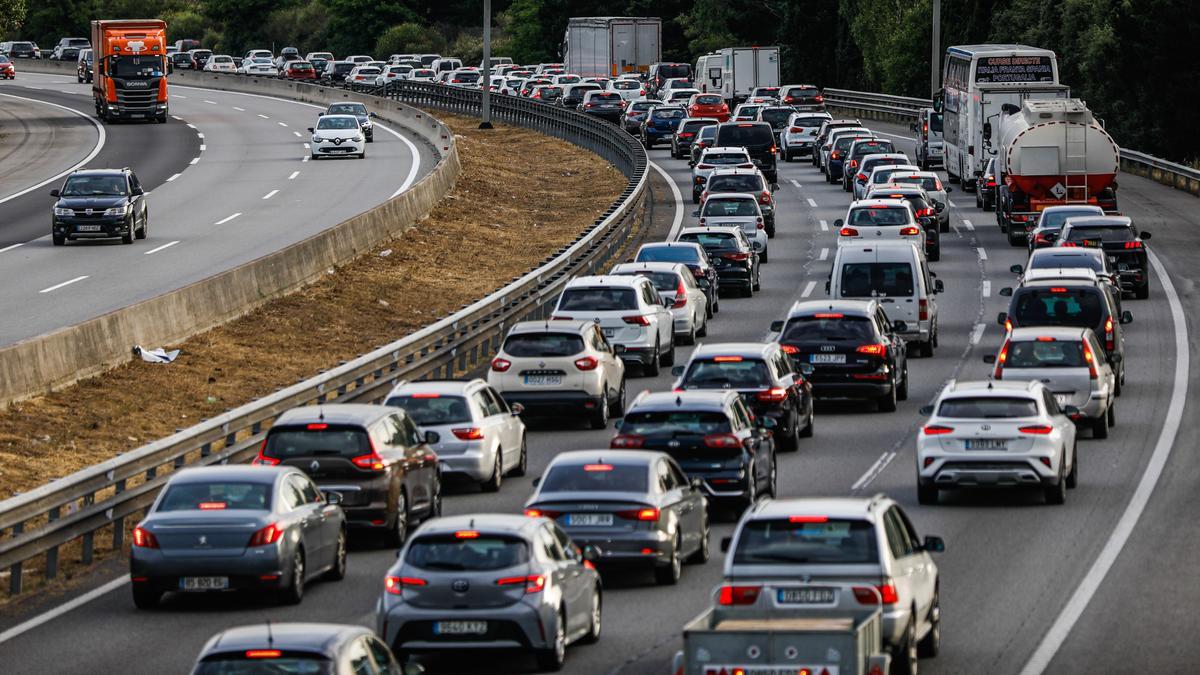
130 71
897 275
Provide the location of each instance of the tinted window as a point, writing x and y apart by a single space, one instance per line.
987 407
828 328
317 439
783 542
668 113
808 121
777 117
91 186
723 158
692 126
671 421
337 123
482 553
1065 307
873 148
1044 354
1057 218
433 410
708 99
1103 234
843 143
729 207
878 215
864 280
238 664
598 299
664 282
605 97
727 374
625 85
596 478
935 123
640 106
543 344
347 109
217 495
926 182
717 241
679 254
739 183
678 70
745 135
1066 260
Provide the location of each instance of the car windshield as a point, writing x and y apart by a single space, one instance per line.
724 158
3 58
679 254
94 186
432 409
828 327
708 99
1056 260
987 407
727 373
1045 353
135 66
476 553
337 123
292 664
598 299
888 279
669 422
735 183
717 241
1058 306
596 478
717 208
541 345
1105 233
1056 218
806 539
876 216
317 439
216 496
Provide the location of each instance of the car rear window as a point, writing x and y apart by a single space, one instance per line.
720 158
478 553
828 327
747 110
318 439
712 240
926 182
678 70
605 97
745 135
721 207
217 495
806 539
238 663
432 409
987 407
625 85
873 148
664 282
639 106
736 183
1056 260
598 299
669 113
1104 234
865 280
1058 306
727 373
808 121
596 478
671 421
679 254
802 91
694 125
543 344
1057 218
843 143
1045 354
878 216
708 99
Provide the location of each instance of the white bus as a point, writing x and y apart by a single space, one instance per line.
977 81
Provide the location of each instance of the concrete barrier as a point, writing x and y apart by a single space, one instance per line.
41 364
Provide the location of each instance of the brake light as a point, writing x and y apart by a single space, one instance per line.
854 164
1058 289
212 506
143 538
267 535
848 232
836 154
936 430
819 98
910 230
647 514
1037 430
736 256
861 176
466 534
686 134
774 149
636 320
772 395
263 653
586 363
790 349
1109 338
533 583
927 211
262 459
501 365
468 433
923 309
887 593
395 585
317 427
727 359
628 442
873 349
1133 244
764 197
1001 358
722 441
371 460
542 513
1090 360
738 595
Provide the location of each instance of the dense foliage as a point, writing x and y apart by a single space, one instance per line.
1125 57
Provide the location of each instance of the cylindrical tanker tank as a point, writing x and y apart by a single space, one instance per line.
1050 148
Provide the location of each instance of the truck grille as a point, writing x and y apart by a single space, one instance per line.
137 101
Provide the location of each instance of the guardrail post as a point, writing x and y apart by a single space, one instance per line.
118 537
89 536
14 572
52 554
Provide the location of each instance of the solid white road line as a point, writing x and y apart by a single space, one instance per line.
293 176
824 225
982 253
977 334
967 224
173 177
304 158
808 289
101 137
226 220
987 288
812 202
414 166
156 250
11 247
55 287
824 254
876 468
1061 628
191 126
677 220
40 619
270 194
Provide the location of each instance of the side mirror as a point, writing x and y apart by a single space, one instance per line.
54 192
696 214
696 484
926 410
838 223
537 481
332 497
726 544
1016 269
899 326
826 286
590 553
989 359
676 371
1001 318
371 114
949 189
1143 235
320 114
934 545
776 326
807 369
1126 317
138 191
618 349
939 206
938 286
987 131
1007 291
432 438
310 130
517 409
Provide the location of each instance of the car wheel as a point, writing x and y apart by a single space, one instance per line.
925 349
493 484
811 426
145 597
927 493
338 571
400 525
703 552
1013 240
435 506
703 331
764 258
902 394
127 238
1112 413
144 230
59 240
751 489
1057 494
690 338
887 402
668 575
905 661
791 443
551 659
757 280
1100 427
1073 476
773 479
668 359
593 634
748 290
293 593
931 644
978 200
716 302
599 417
935 254
652 367
617 409
523 462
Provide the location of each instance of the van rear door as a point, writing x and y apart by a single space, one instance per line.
890 279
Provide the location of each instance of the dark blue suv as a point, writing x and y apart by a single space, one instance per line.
661 123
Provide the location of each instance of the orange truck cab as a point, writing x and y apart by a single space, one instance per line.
130 80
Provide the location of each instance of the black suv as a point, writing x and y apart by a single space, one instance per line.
695 257
374 456
732 254
99 204
1121 242
852 348
713 436
770 384
758 138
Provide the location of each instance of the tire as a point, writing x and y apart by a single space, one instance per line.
1057 494
810 428
902 393
944 227
757 281
523 463
146 598
936 254
1112 413
128 237
764 258
652 369
551 660
887 402
668 575
931 644
1100 427
690 338
59 240
792 442
904 659
617 409
925 349
593 634
668 359
599 417
1143 292
703 332
144 230
927 495
1073 477
293 593
773 482
399 531
703 553
338 571
1013 241
748 290
493 484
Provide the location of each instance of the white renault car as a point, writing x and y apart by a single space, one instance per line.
997 434
675 282
737 209
629 311
337 135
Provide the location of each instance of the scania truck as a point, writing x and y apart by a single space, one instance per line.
130 71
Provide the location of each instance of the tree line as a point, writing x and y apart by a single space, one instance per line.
1126 58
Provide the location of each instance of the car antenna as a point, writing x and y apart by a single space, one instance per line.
989 384
270 635
321 413
678 400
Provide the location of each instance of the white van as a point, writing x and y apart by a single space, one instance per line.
446 64
898 276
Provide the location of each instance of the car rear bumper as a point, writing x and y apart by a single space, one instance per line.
551 402
245 571
851 389
633 548
409 628
961 471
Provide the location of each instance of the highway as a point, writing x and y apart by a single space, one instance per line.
1011 563
229 181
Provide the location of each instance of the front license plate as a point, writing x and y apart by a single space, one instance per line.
805 596
590 519
204 583
543 380
827 358
987 444
89 228
459 627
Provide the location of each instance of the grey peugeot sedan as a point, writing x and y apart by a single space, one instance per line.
633 507
490 581
225 528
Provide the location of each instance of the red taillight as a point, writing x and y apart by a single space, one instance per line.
542 513
794 130
910 230
533 583
686 134
267 535
370 461
501 365
774 149
212 506
790 349
923 309
991 182
1001 358
764 197
854 164
861 176
1090 360
722 441
879 349
466 534
836 154
738 595
773 395
867 596
1133 244
636 320
736 256
628 442
936 430
468 433
647 514
819 98
1109 337
263 653
848 232
395 585
680 296
1037 430
143 538
586 363
927 211
262 459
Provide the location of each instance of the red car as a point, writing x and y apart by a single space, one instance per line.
708 105
7 69
299 70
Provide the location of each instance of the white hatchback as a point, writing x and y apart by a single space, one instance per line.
337 135
874 220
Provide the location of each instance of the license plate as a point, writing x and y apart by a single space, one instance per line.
590 519
987 444
1063 399
790 669
827 358
805 596
609 332
89 228
543 380
204 583
136 115
459 627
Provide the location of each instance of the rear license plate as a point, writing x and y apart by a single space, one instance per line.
590 519
543 380
1064 399
827 358
89 228
790 669
805 596
203 583
987 444
609 332
459 627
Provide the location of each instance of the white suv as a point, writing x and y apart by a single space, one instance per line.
629 311
875 220
783 549
480 436
674 281
557 367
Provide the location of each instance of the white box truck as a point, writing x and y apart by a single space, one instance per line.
744 68
606 46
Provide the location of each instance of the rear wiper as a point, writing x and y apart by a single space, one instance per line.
326 452
444 566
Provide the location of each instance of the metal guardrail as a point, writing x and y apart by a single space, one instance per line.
904 106
105 496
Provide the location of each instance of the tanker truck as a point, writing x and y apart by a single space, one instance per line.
1051 152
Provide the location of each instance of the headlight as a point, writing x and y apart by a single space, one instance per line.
58 211
317 139
357 139
117 210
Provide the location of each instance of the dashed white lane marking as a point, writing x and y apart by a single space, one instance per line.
824 225
796 183
808 289
191 126
197 159
11 247
156 250
987 288
177 96
177 117
956 230
293 176
977 334
982 254
270 194
297 134
210 102
812 202
952 204
173 177
282 124
824 254
967 224
304 158
876 468
306 146
203 147
239 109
55 287
263 116
226 220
